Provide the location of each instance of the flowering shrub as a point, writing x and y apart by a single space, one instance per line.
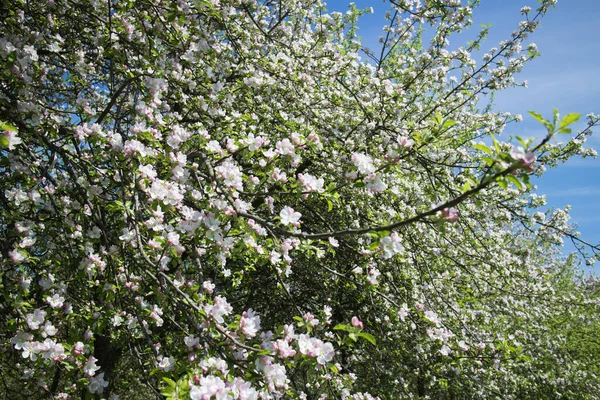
227 199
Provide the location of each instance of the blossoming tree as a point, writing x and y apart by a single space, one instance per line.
234 200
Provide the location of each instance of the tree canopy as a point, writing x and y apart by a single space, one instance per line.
233 199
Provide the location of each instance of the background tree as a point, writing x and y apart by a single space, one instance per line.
224 200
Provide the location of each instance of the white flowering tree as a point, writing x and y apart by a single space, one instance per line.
235 200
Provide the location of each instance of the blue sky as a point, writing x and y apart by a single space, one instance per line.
566 76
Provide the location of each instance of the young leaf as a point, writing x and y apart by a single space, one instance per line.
482 147
449 124
368 337
515 181
6 127
343 327
170 382
538 117
568 120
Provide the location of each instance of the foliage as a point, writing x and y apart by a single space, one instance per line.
222 199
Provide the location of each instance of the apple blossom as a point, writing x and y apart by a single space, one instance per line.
159 158
289 217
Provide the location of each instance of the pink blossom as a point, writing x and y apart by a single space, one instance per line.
208 286
243 390
254 143
311 183
48 329
313 347
284 147
391 245
250 323
219 309
403 312
78 348
191 341
169 193
20 339
147 171
55 301
325 353
364 163
17 256
357 323
373 275
31 350
35 319
51 350
209 386
12 138
449 214
97 384
433 317
527 160
405 142
375 184
276 377
284 349
289 216
445 350
231 175
90 366
279 176
166 363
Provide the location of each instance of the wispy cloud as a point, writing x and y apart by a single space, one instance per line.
576 192
574 89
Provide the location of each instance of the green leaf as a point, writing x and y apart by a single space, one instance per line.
542 121
488 161
368 337
568 120
525 179
525 142
496 144
515 181
183 386
6 127
343 327
449 124
170 382
538 117
482 147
